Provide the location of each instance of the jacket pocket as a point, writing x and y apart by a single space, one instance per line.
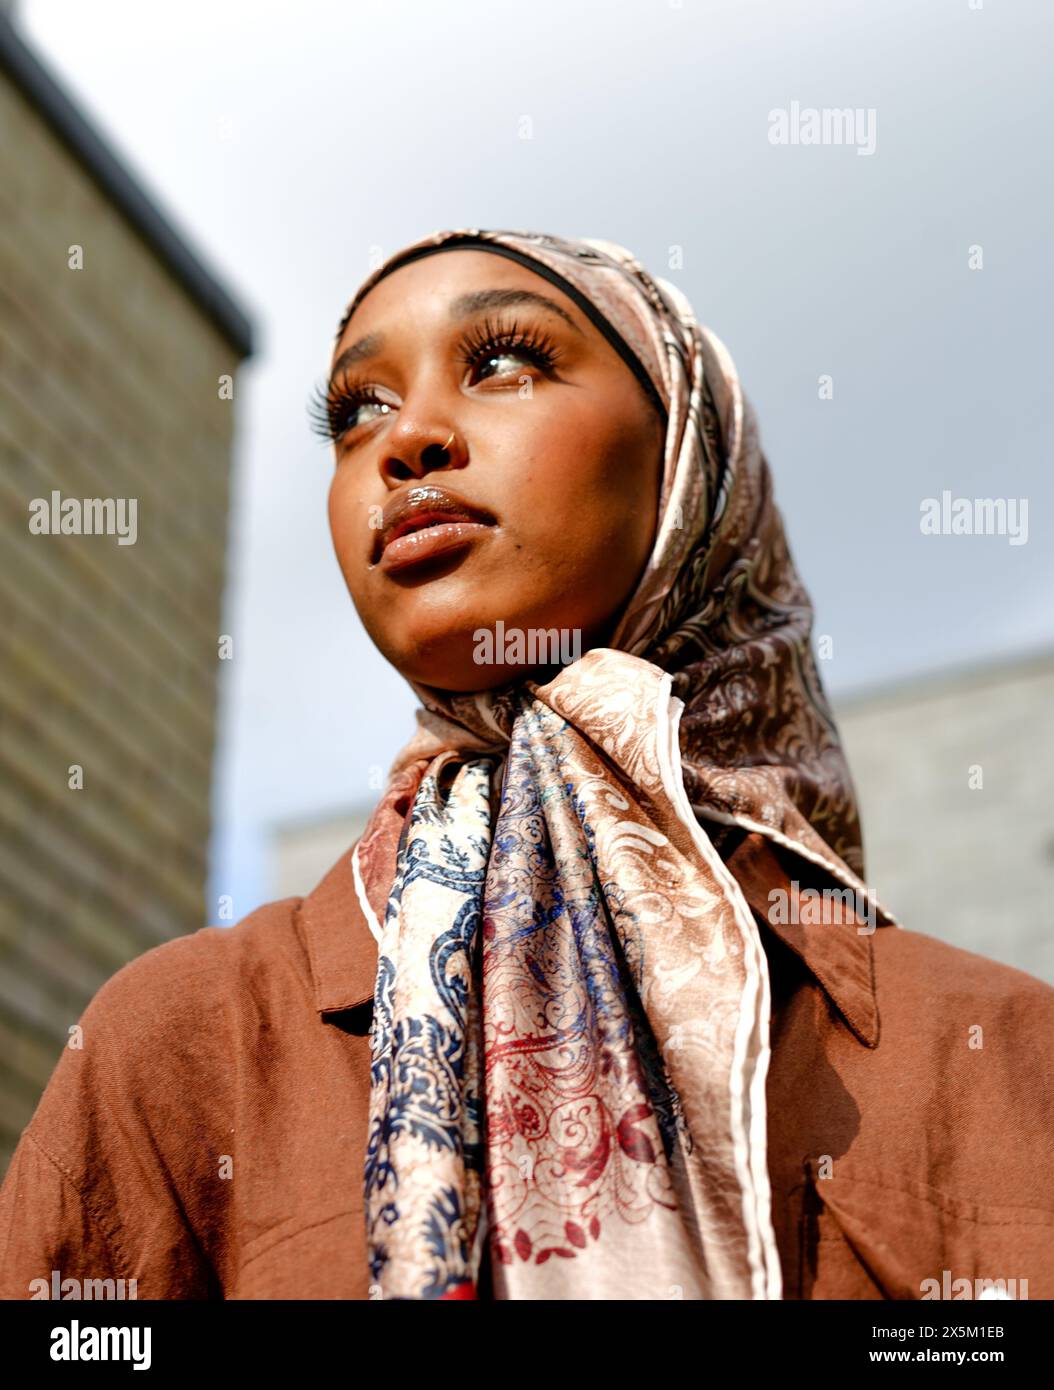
911 1241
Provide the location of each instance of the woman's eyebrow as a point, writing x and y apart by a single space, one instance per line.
467 304
461 308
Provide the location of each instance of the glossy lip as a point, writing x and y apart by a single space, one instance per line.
424 522
436 539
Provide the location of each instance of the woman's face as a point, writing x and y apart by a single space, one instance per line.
542 513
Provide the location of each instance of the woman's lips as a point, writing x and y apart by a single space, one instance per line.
435 538
426 521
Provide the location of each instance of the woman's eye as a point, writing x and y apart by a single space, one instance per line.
336 411
379 407
504 350
352 417
496 359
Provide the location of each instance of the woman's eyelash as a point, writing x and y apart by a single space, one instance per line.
494 340
329 407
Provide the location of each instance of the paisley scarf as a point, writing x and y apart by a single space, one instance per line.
570 1033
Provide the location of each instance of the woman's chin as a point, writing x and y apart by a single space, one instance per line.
459 658
466 680
461 666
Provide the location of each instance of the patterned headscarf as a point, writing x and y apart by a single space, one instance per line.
570 1031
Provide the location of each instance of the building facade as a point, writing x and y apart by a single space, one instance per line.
115 449
953 775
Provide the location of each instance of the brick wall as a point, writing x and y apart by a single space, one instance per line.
108 377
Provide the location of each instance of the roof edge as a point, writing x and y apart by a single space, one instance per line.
46 94
948 678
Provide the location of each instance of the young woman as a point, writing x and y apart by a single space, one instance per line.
599 1005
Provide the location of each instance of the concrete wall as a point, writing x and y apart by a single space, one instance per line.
302 854
972 865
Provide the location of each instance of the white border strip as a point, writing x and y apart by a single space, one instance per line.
360 893
754 1016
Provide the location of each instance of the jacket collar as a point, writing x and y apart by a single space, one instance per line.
341 947
343 951
838 954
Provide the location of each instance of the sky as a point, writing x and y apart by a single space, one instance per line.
293 146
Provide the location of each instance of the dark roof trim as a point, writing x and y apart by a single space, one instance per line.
45 93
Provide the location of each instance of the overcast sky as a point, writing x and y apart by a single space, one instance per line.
289 143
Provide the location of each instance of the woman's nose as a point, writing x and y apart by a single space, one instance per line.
417 452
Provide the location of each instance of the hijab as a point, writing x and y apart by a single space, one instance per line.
569 1043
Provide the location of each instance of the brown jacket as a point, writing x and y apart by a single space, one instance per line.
207 1139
